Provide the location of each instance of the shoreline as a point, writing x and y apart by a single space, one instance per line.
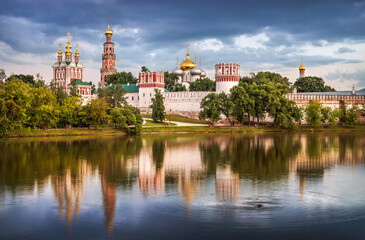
249 130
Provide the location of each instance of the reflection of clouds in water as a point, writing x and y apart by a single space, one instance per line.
212 172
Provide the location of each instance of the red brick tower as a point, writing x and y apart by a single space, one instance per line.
108 58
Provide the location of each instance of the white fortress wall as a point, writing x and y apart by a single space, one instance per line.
132 99
185 103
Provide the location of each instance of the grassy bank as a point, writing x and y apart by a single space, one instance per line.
175 129
68 132
250 130
177 118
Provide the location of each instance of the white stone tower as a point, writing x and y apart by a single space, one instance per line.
227 75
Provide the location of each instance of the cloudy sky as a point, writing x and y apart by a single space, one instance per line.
261 35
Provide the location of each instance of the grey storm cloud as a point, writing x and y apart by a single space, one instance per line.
345 50
163 27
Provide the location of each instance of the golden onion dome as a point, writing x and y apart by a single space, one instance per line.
187 65
108 32
301 67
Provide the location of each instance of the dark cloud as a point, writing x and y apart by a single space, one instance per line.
343 50
163 27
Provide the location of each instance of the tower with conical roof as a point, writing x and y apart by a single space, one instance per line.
301 70
108 58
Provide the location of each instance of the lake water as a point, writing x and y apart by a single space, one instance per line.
281 186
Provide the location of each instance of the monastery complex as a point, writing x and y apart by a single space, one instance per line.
69 72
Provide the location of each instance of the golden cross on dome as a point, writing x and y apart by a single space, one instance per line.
177 62
77 45
200 63
108 21
59 45
68 34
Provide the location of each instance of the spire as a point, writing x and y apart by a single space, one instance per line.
200 63
301 67
60 51
108 32
177 61
68 46
187 52
195 60
77 53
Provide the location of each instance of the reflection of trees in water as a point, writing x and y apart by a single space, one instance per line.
261 157
67 162
26 162
158 152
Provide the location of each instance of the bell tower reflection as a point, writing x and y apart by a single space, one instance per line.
227 184
109 200
151 173
69 190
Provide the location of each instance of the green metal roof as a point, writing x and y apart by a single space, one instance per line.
131 88
79 82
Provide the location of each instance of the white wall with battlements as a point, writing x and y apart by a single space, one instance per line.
184 103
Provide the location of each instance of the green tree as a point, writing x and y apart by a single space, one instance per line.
210 108
314 114
243 103
171 83
277 102
44 109
121 78
29 79
202 84
15 98
144 69
96 110
288 113
353 114
11 117
265 77
261 100
312 84
329 116
118 117
138 122
39 82
225 105
60 92
113 95
69 111
158 107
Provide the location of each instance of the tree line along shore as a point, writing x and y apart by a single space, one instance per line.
29 108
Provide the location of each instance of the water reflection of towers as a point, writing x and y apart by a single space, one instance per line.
69 189
227 184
